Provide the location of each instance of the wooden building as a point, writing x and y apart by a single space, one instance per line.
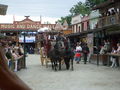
17 29
108 26
80 29
65 28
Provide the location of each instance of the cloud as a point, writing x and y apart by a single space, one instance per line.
11 18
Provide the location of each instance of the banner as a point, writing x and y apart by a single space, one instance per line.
30 39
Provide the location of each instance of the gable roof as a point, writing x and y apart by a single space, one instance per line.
58 26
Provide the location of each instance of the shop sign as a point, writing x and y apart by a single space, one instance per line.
19 26
76 19
24 25
30 39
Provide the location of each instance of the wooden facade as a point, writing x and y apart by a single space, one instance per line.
24 25
108 27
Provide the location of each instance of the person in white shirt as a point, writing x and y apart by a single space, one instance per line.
15 56
78 50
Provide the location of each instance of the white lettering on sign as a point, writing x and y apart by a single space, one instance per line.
33 26
20 26
7 26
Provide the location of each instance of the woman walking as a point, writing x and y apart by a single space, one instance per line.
78 50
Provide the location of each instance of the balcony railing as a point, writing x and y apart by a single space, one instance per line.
109 20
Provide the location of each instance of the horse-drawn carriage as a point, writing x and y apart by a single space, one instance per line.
55 48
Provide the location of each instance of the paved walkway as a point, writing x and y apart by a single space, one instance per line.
84 77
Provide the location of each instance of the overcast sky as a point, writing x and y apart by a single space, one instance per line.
35 8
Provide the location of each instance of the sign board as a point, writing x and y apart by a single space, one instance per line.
30 39
76 19
26 24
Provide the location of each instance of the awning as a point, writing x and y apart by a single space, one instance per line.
107 28
79 33
11 30
45 29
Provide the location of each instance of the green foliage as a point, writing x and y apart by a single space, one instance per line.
79 8
67 18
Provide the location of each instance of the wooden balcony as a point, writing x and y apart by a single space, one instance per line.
108 21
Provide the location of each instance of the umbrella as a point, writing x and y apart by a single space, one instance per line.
45 29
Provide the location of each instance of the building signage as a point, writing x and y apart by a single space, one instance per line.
30 39
26 24
76 19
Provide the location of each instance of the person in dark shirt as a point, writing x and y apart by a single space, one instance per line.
85 50
60 37
9 57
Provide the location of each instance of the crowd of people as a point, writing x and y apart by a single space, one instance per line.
107 48
112 11
114 58
8 79
13 53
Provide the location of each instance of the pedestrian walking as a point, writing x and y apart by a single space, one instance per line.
77 56
85 50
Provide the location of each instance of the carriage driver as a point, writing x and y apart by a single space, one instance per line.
60 38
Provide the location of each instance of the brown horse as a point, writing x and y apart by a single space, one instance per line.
8 79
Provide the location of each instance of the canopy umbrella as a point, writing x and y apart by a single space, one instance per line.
45 29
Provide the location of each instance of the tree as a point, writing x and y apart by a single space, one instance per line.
79 8
67 18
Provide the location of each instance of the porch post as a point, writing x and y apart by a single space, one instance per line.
97 44
24 52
